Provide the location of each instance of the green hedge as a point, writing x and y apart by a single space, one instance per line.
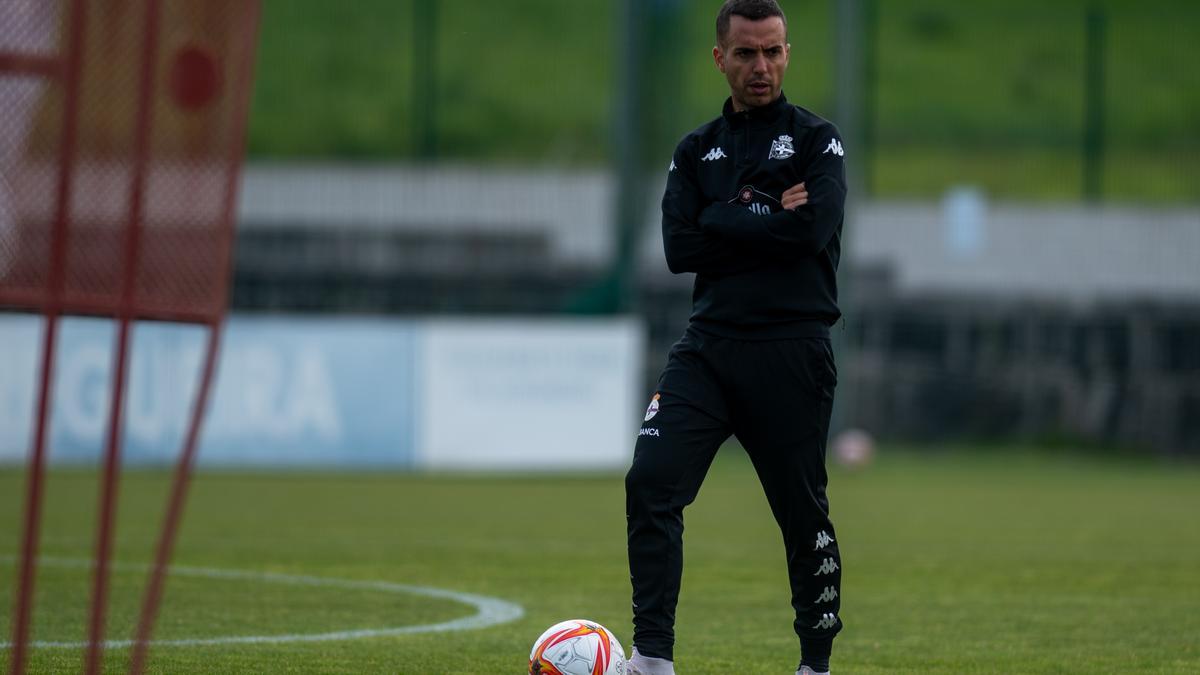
988 92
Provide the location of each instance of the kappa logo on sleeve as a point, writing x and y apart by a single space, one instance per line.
672 167
835 146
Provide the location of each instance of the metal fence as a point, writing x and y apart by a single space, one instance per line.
1017 158
1028 187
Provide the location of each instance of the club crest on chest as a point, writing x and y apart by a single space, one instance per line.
781 148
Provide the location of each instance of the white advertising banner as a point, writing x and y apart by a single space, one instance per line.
518 394
528 394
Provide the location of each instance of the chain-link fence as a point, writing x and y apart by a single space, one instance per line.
460 156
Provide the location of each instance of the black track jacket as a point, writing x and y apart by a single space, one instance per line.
762 272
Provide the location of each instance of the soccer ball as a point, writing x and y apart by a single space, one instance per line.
577 647
854 449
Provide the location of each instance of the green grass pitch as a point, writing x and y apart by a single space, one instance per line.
955 562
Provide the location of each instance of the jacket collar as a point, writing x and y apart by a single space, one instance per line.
761 115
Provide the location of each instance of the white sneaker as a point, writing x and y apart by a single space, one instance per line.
648 665
805 670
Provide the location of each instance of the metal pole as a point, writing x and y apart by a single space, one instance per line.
870 98
848 61
1095 37
166 540
629 130
133 231
33 504
848 80
643 123
58 245
425 79
152 597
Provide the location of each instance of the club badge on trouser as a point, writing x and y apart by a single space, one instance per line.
652 410
781 148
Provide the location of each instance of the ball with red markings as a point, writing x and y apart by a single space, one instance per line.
577 647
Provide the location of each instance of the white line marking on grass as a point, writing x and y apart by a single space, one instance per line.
489 611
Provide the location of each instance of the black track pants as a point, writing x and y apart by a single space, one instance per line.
776 397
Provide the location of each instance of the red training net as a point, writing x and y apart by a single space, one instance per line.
121 135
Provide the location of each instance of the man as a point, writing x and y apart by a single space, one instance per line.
753 207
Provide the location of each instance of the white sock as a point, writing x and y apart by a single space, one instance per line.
648 665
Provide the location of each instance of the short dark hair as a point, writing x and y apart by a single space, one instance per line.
755 10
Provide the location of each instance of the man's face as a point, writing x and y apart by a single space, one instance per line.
754 57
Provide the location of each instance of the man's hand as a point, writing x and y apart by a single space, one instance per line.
797 195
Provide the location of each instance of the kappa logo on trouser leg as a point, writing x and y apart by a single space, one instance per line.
829 566
828 595
823 540
828 620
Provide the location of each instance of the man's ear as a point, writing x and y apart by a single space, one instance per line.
719 58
